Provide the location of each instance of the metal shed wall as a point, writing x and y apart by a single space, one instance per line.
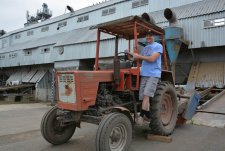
191 17
152 6
200 8
199 36
43 90
162 4
123 9
81 48
21 59
87 50
71 52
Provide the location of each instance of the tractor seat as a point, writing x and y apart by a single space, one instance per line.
123 65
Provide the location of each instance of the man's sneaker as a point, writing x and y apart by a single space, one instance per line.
140 120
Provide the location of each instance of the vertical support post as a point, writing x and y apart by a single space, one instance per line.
97 50
135 38
128 56
53 99
116 47
164 53
116 63
129 45
136 51
136 42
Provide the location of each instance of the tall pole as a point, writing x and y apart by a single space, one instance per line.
136 51
97 50
116 63
164 53
136 42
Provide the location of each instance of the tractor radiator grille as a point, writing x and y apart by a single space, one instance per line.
66 88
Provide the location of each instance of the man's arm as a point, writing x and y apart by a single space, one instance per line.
151 58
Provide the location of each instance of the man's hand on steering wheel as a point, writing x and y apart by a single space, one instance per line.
126 56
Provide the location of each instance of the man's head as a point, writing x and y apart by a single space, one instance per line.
149 37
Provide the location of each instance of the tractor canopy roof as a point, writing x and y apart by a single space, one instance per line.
125 27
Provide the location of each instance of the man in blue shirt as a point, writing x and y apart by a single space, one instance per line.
150 73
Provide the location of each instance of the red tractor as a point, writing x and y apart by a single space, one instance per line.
107 96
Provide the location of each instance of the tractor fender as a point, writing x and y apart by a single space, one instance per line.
124 111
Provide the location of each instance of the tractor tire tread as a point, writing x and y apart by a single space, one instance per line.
156 124
105 124
45 129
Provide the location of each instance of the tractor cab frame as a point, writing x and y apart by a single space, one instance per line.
130 28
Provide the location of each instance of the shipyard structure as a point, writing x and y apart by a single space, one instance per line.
30 56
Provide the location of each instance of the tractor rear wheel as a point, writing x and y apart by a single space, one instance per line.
52 131
114 133
164 109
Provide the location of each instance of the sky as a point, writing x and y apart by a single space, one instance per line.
13 12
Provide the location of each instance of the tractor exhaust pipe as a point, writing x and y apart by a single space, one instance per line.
70 8
2 32
147 17
171 17
116 62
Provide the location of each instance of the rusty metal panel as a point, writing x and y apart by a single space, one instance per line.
192 77
206 75
211 74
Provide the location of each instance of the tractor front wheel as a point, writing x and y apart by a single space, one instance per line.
114 133
52 130
164 109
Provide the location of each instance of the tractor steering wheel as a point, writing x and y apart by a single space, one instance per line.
125 56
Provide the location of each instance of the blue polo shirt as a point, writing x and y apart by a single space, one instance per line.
152 69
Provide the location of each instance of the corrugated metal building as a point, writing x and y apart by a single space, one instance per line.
57 42
194 18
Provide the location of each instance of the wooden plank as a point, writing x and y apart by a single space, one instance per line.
192 76
166 139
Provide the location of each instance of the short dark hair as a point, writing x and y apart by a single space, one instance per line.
149 33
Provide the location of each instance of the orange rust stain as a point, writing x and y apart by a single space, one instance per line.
68 90
180 120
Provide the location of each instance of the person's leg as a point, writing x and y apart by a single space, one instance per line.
149 92
145 103
143 81
146 106
141 93
145 98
